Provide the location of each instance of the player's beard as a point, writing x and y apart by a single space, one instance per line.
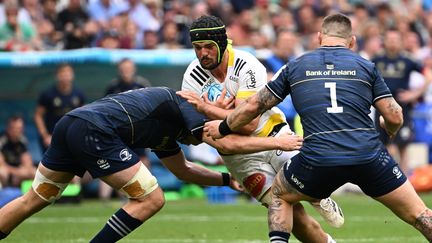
209 65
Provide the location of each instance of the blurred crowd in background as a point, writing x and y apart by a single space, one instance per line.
154 24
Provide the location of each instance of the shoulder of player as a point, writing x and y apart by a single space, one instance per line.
245 61
195 73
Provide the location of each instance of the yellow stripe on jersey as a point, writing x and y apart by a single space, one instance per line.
273 120
231 54
245 94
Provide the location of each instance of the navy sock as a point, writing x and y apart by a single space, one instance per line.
117 227
3 235
279 236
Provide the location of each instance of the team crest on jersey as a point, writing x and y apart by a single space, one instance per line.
125 154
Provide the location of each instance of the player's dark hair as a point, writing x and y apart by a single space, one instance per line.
63 66
210 28
337 25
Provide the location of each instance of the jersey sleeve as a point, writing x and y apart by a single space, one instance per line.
279 84
379 87
253 77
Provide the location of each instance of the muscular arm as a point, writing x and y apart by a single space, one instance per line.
251 108
238 144
191 172
391 113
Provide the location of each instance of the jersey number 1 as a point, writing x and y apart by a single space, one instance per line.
334 107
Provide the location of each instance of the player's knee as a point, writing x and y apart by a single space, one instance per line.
141 184
47 189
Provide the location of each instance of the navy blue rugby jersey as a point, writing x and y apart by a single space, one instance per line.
332 89
396 70
153 117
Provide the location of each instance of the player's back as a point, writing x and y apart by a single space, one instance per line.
332 90
149 117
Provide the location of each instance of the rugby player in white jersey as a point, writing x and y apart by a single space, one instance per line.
221 78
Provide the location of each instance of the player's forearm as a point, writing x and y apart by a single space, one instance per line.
200 175
191 172
251 108
235 144
215 113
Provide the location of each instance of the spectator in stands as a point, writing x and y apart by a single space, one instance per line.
395 67
102 11
49 27
16 164
240 29
141 16
16 35
372 46
150 40
110 40
169 37
74 21
56 101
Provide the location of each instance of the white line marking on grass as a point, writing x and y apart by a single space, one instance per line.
193 218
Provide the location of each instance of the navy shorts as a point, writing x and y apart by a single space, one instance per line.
78 146
377 178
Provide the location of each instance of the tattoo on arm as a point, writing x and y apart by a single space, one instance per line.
266 100
423 224
392 105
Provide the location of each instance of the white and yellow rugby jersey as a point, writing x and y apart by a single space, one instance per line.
245 77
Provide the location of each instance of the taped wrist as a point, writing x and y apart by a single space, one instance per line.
224 129
226 179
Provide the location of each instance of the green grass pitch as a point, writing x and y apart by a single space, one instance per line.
197 221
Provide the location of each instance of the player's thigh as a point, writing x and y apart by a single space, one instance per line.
404 202
379 177
315 181
56 176
252 171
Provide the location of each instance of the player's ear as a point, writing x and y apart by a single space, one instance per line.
352 42
319 36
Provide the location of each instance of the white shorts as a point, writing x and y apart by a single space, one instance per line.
256 171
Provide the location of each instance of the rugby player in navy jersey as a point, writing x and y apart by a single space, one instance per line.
332 89
99 138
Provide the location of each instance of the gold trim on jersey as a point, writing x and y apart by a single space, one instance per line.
231 54
271 122
245 94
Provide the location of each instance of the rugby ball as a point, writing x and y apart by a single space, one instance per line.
214 92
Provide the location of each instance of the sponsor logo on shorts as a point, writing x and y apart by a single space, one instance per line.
297 181
397 172
254 184
279 152
125 155
103 164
